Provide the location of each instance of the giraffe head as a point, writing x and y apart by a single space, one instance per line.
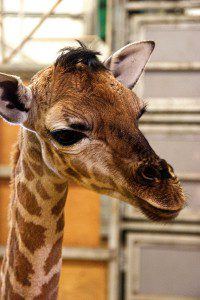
86 117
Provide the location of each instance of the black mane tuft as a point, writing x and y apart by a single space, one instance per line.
69 57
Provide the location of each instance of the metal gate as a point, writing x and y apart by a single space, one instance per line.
163 261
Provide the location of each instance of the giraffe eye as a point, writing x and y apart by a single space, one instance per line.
67 137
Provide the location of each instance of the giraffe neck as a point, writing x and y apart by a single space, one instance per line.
32 262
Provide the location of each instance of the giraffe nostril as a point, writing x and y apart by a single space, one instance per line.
150 173
166 170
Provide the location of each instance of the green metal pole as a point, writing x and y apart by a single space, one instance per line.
102 5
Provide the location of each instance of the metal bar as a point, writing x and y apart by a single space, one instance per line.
116 33
170 118
45 16
174 105
2 251
90 16
109 24
142 5
5 171
39 15
64 39
164 19
113 245
156 297
159 121
21 19
165 128
173 66
105 204
189 176
92 254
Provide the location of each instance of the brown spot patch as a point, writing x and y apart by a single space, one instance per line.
56 210
35 154
49 172
81 168
9 292
72 173
28 173
49 150
127 194
60 187
41 191
60 224
100 189
28 200
63 158
15 159
48 289
32 235
54 256
19 263
37 168
32 138
15 154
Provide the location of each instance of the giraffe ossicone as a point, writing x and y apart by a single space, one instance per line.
79 119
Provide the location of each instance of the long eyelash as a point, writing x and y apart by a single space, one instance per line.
79 126
145 107
143 110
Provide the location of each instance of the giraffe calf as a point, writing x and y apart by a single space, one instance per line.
79 119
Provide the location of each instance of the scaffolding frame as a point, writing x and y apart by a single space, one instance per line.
87 18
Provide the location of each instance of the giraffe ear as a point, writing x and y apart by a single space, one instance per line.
128 62
15 99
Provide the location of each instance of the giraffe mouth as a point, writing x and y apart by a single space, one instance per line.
157 214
